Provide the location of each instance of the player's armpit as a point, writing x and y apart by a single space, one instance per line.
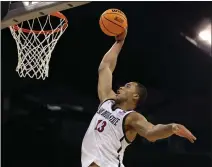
105 84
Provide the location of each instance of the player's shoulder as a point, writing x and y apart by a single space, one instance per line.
134 116
107 101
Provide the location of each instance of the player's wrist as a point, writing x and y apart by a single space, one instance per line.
120 42
121 37
174 128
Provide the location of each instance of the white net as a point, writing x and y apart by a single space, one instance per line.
35 46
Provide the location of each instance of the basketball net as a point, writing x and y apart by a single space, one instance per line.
35 46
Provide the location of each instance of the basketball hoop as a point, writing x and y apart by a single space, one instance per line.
35 46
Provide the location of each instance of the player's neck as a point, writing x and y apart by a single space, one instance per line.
125 106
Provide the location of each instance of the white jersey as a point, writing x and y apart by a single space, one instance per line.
105 142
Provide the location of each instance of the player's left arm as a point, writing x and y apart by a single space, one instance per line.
155 132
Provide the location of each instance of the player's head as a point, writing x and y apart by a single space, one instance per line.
132 92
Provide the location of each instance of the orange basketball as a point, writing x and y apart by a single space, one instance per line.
113 22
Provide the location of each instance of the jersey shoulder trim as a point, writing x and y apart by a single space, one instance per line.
104 102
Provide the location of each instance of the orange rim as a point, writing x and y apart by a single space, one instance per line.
56 14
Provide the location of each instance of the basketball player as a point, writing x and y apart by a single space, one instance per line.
116 124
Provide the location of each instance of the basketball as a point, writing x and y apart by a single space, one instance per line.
113 22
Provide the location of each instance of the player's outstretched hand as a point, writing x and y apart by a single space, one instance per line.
122 36
182 131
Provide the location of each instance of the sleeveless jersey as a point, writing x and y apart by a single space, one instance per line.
105 142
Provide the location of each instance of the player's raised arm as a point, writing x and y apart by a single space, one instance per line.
155 132
107 67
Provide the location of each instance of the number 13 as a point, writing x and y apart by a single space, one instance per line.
100 126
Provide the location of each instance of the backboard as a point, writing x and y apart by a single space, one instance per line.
21 11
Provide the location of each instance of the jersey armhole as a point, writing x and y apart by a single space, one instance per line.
123 128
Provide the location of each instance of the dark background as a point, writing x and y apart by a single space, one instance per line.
175 72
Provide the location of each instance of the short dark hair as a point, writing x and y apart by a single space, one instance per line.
142 92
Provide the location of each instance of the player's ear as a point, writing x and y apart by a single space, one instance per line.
135 96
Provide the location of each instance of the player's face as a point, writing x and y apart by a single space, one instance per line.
126 92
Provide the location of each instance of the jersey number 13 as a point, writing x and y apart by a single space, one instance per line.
100 125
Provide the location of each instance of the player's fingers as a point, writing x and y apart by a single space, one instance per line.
187 135
191 138
190 134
